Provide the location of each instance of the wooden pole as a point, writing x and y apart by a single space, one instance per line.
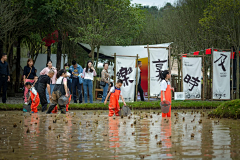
170 66
222 49
157 47
115 69
232 72
148 73
137 79
181 73
203 72
124 56
212 74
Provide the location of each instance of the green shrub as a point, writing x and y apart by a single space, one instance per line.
229 109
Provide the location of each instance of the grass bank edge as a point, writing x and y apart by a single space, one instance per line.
229 109
133 105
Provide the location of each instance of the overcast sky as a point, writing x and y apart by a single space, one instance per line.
159 3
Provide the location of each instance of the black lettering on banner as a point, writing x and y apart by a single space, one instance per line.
159 65
123 73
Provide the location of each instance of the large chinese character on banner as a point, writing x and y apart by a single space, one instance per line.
158 63
221 75
192 77
126 71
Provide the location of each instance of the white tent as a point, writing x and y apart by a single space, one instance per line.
125 50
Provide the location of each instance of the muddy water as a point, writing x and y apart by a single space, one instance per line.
93 135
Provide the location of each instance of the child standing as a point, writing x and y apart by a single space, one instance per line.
59 90
115 93
35 100
166 88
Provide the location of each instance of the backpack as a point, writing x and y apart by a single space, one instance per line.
58 94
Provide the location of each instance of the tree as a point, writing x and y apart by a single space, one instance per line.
107 21
12 24
222 20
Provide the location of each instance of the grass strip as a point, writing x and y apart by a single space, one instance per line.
133 105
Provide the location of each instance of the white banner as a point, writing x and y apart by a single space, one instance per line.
221 75
126 71
158 63
192 77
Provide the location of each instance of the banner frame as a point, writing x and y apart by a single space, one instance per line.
115 57
169 60
231 91
202 56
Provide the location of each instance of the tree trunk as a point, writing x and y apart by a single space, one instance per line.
48 53
59 51
10 59
96 68
92 52
1 47
18 63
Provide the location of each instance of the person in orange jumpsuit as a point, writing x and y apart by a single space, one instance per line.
35 100
115 93
70 97
166 88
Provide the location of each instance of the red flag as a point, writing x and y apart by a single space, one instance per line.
196 53
208 51
183 55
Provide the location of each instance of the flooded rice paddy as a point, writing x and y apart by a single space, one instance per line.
94 135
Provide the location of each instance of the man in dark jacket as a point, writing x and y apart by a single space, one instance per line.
41 85
140 90
4 76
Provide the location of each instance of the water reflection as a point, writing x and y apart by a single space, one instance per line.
166 133
113 132
91 136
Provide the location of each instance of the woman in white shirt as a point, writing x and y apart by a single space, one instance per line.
88 74
166 88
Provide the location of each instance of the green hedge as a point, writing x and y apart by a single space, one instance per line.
229 109
133 105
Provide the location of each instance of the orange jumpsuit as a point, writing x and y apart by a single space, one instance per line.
70 97
55 110
168 97
114 105
35 104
